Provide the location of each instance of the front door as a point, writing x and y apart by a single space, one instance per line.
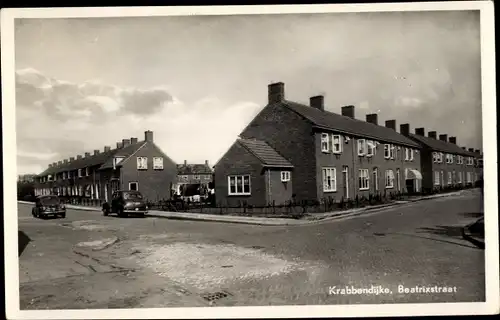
345 175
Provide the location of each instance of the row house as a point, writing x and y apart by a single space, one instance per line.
132 165
293 151
193 179
444 163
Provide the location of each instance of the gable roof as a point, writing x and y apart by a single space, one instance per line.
94 160
185 169
267 155
337 122
442 146
123 152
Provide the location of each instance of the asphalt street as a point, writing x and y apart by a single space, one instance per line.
90 261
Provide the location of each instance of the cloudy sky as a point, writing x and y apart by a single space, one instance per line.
197 81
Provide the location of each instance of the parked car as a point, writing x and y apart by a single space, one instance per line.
124 203
49 205
474 232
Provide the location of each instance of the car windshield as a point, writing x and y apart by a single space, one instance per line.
132 196
50 200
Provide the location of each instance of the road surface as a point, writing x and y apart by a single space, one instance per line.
90 261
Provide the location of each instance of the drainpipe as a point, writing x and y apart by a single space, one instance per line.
269 185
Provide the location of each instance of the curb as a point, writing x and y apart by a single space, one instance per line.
469 237
268 221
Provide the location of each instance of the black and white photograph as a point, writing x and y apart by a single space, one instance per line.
298 161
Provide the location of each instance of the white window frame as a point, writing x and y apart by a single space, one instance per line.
450 178
136 185
370 150
334 149
329 172
469 177
363 179
387 151
142 163
392 151
441 157
325 142
87 171
375 178
361 147
79 173
436 178
117 160
236 179
389 177
285 176
407 154
157 164
412 154
460 177
453 177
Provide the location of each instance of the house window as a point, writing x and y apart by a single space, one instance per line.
325 142
142 163
407 154
79 173
435 157
87 171
436 178
387 151
364 179
470 161
469 177
157 163
361 147
454 177
49 177
375 178
440 157
285 176
389 179
411 154
370 148
133 186
460 177
196 177
336 143
449 178
329 179
239 185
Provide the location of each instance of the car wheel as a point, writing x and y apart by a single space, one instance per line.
121 213
63 215
105 212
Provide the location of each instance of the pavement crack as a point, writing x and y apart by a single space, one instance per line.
86 266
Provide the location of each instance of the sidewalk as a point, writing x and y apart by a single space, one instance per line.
309 219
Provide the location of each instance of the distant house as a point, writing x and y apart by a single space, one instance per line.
132 165
444 163
193 179
322 155
26 178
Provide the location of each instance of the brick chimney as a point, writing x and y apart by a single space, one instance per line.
87 154
96 152
477 151
372 118
452 140
71 158
79 156
125 142
317 102
420 132
148 136
133 140
66 160
464 148
185 162
119 145
443 137
471 149
276 92
206 163
391 124
59 163
432 134
404 129
107 148
348 111
50 165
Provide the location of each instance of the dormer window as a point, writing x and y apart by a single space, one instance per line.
117 160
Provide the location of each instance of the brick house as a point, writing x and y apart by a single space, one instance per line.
193 178
254 173
132 165
444 163
332 156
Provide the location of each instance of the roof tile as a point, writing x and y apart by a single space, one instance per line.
440 145
265 153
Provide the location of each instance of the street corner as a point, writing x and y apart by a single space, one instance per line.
209 266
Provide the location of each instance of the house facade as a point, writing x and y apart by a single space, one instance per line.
193 179
444 163
132 165
331 155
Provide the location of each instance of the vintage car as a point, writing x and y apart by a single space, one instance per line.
124 203
49 205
